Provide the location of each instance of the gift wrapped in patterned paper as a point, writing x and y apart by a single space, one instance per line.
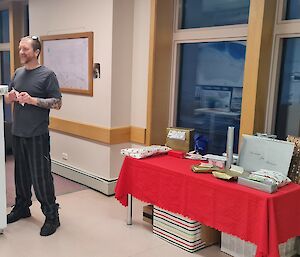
294 170
145 151
269 176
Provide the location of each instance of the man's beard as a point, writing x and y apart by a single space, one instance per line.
25 60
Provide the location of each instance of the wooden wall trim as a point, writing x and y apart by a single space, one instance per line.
98 134
119 135
151 70
159 71
138 135
257 66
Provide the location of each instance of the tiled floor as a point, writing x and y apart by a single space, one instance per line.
92 225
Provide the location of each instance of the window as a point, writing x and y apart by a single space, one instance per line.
26 20
208 68
284 95
4 28
292 9
210 90
209 13
5 67
288 103
5 56
4 79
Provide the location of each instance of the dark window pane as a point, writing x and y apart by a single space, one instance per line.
26 20
5 67
292 9
4 26
288 106
5 78
210 90
209 13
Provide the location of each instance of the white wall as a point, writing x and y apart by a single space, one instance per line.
121 62
140 61
84 155
121 35
130 67
70 16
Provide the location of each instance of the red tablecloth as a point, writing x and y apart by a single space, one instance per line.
258 217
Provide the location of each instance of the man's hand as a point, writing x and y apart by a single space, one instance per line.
25 98
11 96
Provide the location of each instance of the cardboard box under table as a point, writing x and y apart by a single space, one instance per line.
148 213
183 232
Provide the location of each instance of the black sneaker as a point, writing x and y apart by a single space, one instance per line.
50 226
18 213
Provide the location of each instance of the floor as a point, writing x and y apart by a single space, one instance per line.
92 225
62 185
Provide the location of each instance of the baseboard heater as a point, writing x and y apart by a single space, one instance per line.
105 186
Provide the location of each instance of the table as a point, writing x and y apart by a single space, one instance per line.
254 216
3 90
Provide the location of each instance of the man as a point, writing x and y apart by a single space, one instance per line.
34 90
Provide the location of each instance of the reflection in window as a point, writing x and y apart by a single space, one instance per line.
292 9
4 26
209 13
288 106
210 90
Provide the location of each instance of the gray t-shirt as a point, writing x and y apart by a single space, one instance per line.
41 82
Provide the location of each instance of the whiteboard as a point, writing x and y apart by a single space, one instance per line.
265 153
69 56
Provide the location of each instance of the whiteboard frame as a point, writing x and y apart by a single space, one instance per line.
90 37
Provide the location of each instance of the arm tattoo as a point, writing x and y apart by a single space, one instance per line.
49 103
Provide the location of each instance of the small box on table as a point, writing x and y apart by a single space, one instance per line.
181 139
183 232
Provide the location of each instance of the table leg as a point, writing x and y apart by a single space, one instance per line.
129 209
1 231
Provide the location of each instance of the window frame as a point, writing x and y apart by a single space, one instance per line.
283 29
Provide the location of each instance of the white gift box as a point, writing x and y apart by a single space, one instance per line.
237 247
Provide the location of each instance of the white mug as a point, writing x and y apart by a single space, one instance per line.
3 89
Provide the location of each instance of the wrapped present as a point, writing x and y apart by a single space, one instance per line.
294 170
237 247
183 232
145 151
181 139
